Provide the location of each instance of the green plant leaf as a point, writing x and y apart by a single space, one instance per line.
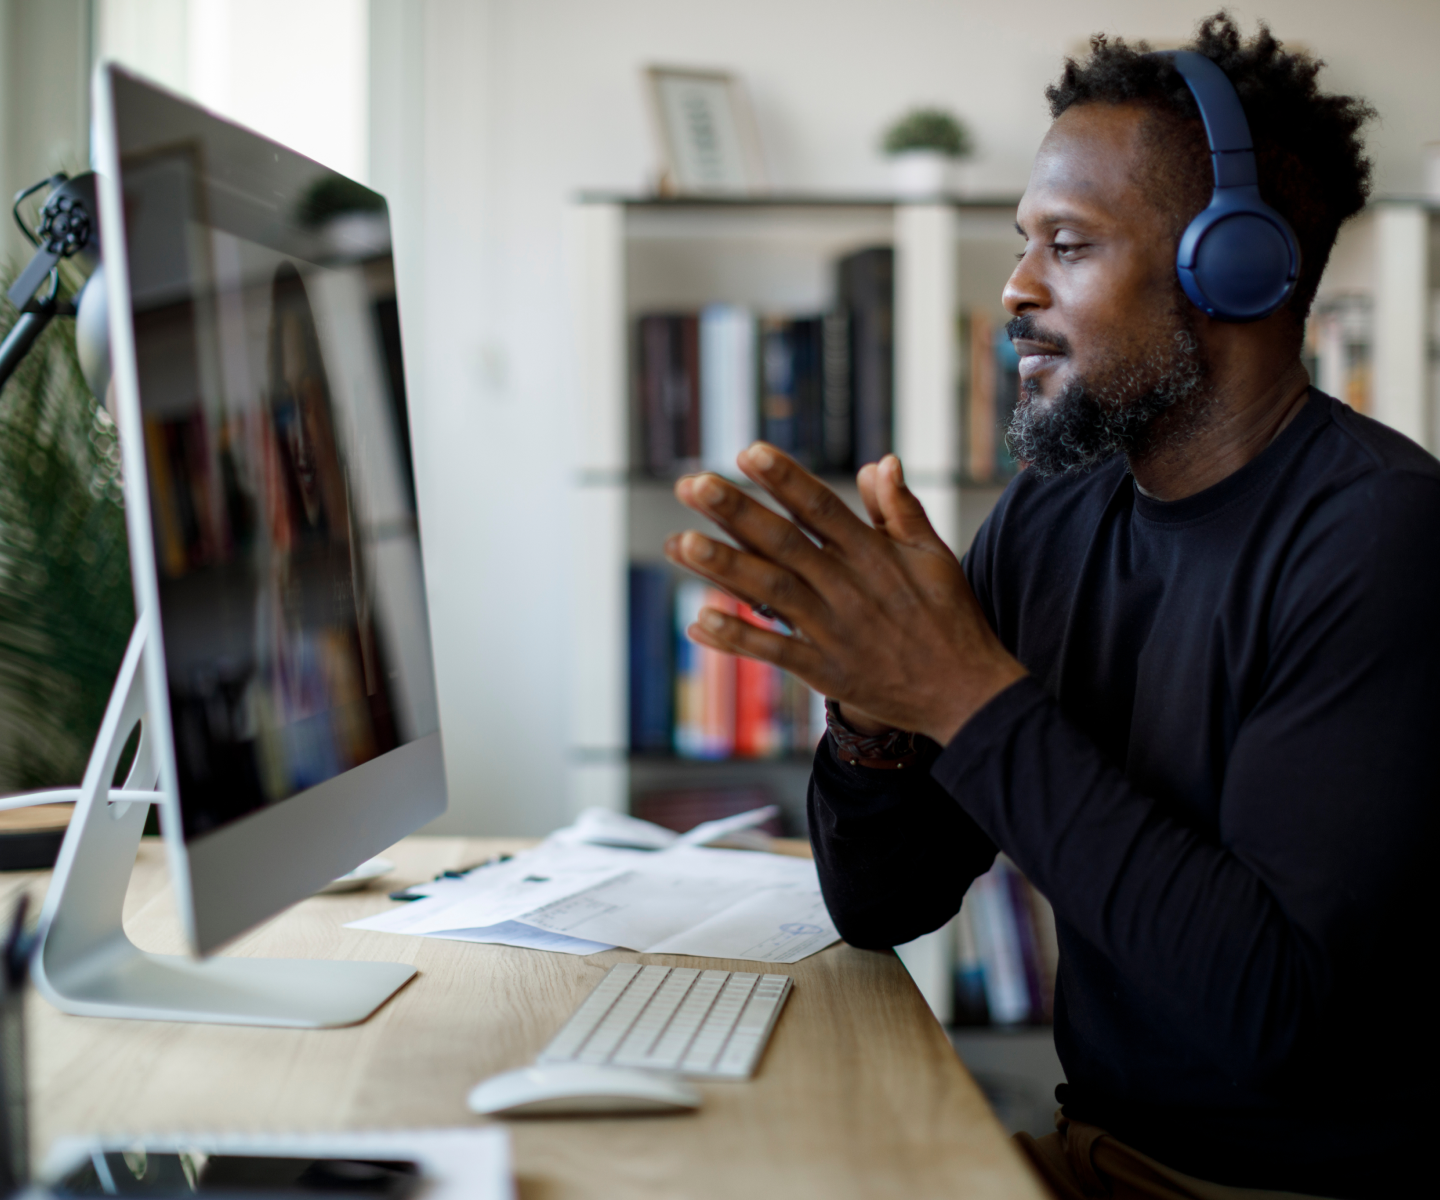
66 606
929 129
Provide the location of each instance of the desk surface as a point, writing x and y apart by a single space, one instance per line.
859 1093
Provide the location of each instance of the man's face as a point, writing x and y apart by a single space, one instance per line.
1104 333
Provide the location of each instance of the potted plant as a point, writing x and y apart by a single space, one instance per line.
923 146
66 607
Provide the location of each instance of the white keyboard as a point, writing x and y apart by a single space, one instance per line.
705 1024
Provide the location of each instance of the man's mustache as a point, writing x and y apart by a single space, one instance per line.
1026 327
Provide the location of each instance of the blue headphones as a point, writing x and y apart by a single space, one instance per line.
1238 260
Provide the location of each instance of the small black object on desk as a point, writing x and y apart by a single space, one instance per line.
415 892
14 1123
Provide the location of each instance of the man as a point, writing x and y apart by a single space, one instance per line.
1185 677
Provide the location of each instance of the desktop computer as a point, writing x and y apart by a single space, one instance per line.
280 671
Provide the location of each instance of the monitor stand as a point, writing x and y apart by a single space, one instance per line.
86 964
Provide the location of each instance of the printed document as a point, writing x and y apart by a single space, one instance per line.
580 898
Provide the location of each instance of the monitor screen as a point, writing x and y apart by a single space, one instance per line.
290 586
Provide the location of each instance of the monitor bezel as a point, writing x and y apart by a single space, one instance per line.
359 812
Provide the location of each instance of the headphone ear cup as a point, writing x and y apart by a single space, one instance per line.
1238 265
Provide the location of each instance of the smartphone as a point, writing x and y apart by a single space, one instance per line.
168 1174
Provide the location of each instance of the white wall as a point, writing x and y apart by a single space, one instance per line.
44 110
296 70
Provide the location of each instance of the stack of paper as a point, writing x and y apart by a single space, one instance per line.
578 898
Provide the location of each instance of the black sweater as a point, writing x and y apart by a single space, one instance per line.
1222 773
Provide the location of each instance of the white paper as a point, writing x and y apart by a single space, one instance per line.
605 827
527 937
500 892
726 827
637 908
770 925
576 898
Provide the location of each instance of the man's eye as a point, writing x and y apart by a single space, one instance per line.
1064 248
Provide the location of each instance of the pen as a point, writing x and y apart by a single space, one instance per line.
409 893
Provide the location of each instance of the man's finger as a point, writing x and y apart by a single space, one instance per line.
808 500
754 526
748 577
865 481
903 515
732 635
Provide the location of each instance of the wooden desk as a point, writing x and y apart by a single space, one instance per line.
859 1093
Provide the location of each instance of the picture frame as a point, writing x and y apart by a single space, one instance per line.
705 132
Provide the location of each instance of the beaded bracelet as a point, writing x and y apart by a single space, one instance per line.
892 750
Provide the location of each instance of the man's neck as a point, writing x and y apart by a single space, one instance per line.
1241 417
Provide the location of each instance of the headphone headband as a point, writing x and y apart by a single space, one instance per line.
1231 150
1238 260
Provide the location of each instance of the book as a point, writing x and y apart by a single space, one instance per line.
704 679
865 293
729 400
1006 952
980 413
1340 336
837 418
729 707
970 1007
669 391
989 394
651 672
1006 995
1007 396
778 424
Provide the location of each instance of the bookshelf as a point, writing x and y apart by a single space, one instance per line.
1386 263
628 257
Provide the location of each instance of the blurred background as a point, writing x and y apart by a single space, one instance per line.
518 143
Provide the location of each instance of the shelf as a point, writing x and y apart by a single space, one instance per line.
795 200
678 762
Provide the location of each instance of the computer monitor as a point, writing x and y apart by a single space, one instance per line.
274 534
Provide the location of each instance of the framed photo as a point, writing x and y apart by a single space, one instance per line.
706 133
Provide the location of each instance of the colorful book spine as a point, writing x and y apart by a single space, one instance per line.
1006 994
1006 953
668 382
704 680
729 404
1007 396
865 291
651 690
777 383
838 417
980 419
728 707
991 390
970 1005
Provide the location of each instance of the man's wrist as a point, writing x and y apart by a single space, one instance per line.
972 699
888 750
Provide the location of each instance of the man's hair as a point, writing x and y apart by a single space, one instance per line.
1308 150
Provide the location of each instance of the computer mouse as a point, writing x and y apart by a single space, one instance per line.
554 1089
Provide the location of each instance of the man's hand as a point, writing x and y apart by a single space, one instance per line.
884 618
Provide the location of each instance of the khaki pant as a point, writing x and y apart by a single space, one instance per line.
1082 1162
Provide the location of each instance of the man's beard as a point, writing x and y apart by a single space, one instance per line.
1115 410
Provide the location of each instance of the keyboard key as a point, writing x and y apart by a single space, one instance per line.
708 1024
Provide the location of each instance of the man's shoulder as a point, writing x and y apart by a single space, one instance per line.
1370 445
1353 466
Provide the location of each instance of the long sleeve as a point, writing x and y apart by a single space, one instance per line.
1273 928
894 851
